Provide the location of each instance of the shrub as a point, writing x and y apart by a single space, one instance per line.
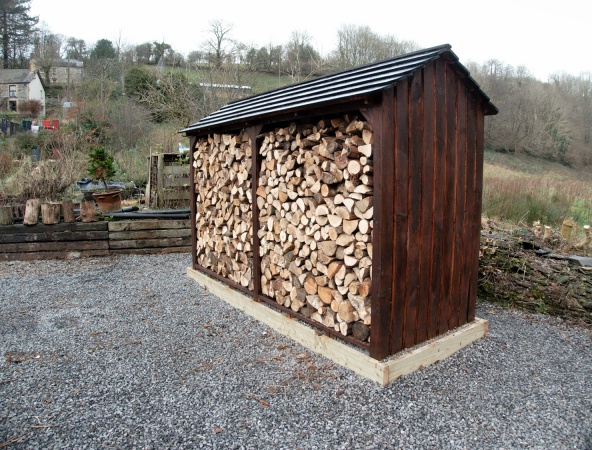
32 107
101 165
46 180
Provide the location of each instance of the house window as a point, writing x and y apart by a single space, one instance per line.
12 90
12 106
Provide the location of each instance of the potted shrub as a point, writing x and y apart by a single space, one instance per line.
101 168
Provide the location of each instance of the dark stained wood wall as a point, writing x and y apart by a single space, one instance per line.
428 164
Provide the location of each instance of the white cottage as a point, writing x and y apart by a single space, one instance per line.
18 86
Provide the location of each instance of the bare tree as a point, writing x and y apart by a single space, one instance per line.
302 60
219 44
46 51
359 45
533 118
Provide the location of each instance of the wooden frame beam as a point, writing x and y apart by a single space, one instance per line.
359 362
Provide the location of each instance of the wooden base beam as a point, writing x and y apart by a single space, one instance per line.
381 372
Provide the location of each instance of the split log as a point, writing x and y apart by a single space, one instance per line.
310 285
345 328
325 294
347 312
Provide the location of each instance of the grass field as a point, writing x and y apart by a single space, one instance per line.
522 189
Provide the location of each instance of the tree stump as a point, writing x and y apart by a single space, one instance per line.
566 228
68 211
50 213
6 217
88 212
32 212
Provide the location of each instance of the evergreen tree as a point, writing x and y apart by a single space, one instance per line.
103 50
17 29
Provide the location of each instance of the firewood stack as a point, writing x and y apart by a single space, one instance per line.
223 220
315 205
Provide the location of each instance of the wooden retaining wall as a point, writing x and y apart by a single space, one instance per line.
76 240
150 236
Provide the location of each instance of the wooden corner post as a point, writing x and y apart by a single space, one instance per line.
381 118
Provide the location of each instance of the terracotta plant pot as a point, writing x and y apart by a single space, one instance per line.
108 201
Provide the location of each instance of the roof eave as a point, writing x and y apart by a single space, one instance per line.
350 103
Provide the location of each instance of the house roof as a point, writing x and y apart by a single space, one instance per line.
16 76
352 83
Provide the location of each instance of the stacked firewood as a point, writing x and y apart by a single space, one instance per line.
223 219
315 206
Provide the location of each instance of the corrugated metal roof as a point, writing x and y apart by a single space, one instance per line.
352 83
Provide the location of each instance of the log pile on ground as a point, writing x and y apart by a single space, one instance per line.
315 203
534 269
222 165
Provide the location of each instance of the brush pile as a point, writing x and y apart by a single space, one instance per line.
537 269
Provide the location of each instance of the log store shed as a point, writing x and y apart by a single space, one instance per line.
350 201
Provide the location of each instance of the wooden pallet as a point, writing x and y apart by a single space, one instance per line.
381 372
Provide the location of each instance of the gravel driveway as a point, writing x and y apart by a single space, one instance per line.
127 352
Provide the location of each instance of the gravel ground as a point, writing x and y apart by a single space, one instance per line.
127 352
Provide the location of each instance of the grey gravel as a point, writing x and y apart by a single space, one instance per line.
128 352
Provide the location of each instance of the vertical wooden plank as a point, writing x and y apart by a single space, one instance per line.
160 181
439 187
192 204
459 283
147 192
470 167
252 132
449 203
401 200
381 119
427 204
414 244
476 230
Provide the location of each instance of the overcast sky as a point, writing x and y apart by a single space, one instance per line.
544 36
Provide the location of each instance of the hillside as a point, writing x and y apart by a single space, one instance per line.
522 189
520 267
524 166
